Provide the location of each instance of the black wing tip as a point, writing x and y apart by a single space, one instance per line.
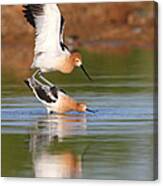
25 5
29 11
63 91
27 82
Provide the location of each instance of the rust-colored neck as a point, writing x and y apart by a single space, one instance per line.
68 66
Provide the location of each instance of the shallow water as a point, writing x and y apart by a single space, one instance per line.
115 142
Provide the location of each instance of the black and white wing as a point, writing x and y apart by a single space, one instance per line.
62 44
49 25
43 93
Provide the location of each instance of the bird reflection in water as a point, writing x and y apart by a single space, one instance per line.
53 156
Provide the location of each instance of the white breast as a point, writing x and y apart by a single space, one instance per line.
49 62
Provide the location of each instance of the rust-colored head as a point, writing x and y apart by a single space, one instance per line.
76 59
81 107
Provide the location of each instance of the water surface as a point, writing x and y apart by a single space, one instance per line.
114 143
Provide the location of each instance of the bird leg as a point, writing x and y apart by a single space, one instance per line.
34 77
41 77
44 79
35 73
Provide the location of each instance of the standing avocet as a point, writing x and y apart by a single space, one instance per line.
50 54
55 100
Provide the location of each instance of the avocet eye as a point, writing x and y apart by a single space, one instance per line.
77 60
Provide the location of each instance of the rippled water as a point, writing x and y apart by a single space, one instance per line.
116 142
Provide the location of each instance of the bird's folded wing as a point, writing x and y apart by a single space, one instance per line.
46 19
44 93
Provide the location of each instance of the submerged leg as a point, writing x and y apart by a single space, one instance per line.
44 79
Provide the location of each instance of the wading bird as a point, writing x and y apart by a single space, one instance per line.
50 53
55 100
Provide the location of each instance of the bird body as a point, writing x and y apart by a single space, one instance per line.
54 99
65 103
40 62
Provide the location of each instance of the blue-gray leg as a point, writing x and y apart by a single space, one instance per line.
44 79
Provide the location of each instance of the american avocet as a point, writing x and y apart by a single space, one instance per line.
55 100
50 54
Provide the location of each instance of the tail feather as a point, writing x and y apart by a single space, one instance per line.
27 82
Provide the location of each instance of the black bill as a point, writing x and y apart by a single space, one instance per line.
89 110
85 72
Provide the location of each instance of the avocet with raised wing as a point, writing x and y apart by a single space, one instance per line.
50 53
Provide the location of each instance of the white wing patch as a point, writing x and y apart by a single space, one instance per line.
48 30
